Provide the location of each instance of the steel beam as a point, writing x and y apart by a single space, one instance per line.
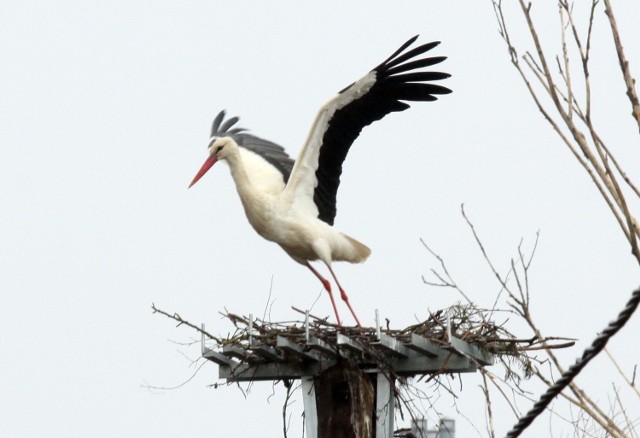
469 350
385 407
292 347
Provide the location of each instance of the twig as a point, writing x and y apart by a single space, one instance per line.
285 426
624 64
317 318
596 347
168 388
630 382
181 321
485 391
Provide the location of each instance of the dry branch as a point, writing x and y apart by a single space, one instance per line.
571 118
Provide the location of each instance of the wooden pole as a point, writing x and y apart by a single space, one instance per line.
345 400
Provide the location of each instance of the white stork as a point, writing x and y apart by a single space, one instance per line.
294 203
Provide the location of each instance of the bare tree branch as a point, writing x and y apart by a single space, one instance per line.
624 64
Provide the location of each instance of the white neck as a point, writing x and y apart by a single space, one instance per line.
255 202
247 192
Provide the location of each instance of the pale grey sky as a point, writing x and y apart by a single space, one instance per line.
104 119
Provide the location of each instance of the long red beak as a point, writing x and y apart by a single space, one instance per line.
208 164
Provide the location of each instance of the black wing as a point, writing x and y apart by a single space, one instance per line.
271 152
396 80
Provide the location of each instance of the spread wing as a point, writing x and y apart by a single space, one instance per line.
315 177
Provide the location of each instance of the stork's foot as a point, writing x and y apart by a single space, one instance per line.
327 287
333 303
345 298
343 295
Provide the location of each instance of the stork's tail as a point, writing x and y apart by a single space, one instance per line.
361 251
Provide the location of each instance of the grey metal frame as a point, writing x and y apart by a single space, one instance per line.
418 356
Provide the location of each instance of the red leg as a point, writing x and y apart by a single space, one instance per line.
344 296
327 287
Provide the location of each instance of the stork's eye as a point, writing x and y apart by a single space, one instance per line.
219 148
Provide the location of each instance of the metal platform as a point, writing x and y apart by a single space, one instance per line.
288 358
305 355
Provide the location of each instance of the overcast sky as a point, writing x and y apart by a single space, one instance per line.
105 109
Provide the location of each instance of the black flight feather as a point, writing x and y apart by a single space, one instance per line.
386 95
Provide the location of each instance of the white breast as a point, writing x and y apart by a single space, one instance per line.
263 176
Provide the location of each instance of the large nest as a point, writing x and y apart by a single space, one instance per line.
463 322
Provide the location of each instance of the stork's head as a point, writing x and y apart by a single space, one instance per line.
219 149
